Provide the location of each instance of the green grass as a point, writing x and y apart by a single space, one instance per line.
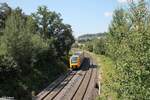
107 75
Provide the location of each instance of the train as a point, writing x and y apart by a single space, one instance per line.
76 60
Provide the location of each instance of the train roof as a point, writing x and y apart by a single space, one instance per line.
74 56
77 53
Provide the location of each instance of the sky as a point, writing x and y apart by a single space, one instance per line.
85 16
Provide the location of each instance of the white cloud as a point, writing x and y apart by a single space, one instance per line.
108 14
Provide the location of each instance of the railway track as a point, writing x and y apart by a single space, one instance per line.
75 85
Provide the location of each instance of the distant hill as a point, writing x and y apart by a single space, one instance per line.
86 37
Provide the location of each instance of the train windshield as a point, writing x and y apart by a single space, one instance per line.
74 59
77 53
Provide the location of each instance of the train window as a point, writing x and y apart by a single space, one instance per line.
74 59
77 53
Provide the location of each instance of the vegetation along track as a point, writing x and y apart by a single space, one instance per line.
75 85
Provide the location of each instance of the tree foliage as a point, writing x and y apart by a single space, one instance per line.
128 44
5 10
33 51
50 25
99 46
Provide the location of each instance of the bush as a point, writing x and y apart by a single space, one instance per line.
99 46
89 46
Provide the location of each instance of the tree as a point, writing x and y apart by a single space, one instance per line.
32 52
99 46
89 46
47 21
128 45
117 32
5 11
64 40
16 61
50 26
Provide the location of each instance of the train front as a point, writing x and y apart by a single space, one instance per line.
74 62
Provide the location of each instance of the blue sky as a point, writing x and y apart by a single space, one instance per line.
85 16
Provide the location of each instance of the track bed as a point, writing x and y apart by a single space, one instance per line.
75 85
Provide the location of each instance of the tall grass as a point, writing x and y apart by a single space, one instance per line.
107 77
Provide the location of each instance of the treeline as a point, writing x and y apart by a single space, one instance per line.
87 37
95 43
33 50
92 42
127 43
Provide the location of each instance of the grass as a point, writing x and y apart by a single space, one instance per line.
107 76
